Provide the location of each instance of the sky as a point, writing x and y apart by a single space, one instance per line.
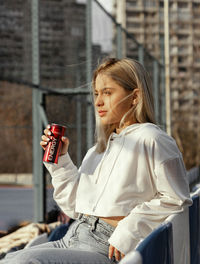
107 4
102 26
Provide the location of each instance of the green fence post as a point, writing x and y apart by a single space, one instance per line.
156 90
89 122
163 105
38 171
119 41
141 54
78 117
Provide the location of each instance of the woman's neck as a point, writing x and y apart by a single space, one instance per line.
125 124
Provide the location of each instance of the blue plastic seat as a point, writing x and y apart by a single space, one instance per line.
194 218
157 247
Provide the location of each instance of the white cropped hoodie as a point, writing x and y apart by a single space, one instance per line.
140 175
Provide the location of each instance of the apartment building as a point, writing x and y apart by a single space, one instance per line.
145 20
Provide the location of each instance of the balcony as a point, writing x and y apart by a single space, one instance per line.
136 18
136 30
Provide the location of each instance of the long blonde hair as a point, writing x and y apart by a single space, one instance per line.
129 74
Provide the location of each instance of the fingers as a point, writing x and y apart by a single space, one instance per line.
44 143
117 255
113 252
47 131
65 145
65 140
45 138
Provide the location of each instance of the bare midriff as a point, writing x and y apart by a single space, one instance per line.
113 220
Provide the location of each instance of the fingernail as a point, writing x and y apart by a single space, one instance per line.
45 143
49 133
48 126
48 139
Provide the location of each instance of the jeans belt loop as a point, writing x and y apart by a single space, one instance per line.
80 216
94 224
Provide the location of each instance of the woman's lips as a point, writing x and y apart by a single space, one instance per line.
102 112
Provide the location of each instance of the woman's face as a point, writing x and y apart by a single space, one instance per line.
112 101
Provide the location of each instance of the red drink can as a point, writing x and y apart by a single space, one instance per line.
54 146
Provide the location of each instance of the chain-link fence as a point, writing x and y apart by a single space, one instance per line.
48 51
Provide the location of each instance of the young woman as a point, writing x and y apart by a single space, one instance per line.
129 182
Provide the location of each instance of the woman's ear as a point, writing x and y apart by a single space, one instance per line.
136 96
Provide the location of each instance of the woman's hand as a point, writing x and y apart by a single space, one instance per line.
47 137
116 253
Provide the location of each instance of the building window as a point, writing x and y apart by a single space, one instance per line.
131 4
182 69
149 3
196 5
181 59
76 32
182 37
133 25
182 5
161 4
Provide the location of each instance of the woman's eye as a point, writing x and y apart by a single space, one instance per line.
107 93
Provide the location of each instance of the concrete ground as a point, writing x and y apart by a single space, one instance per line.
16 179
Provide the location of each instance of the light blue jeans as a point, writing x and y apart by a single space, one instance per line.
86 242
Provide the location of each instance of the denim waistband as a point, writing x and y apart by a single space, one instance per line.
94 221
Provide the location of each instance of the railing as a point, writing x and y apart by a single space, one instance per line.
176 241
193 176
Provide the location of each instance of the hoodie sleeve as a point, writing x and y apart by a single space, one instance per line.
65 179
171 197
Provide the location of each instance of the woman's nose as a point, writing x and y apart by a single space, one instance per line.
99 101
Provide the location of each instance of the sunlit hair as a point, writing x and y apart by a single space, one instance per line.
129 74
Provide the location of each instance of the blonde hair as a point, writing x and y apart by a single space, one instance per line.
129 74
